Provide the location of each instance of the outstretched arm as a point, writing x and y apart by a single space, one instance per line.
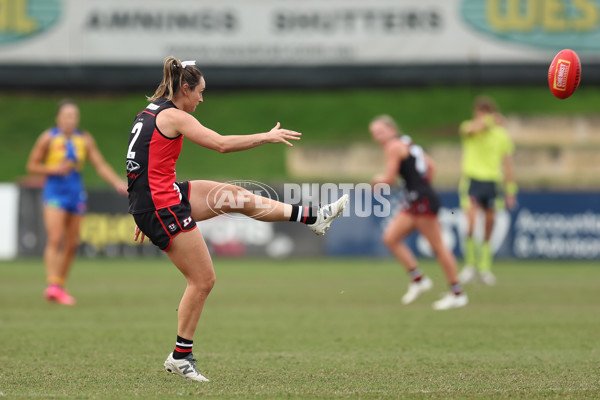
104 170
173 122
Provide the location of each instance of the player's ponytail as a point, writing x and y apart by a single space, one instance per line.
175 74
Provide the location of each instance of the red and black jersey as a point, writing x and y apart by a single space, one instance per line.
421 198
413 170
151 159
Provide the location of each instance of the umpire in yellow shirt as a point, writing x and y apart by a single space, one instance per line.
487 173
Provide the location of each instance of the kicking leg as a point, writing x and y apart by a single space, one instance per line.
209 199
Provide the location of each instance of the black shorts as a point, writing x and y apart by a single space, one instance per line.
425 203
483 193
161 226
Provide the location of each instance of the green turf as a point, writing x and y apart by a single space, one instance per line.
430 114
302 329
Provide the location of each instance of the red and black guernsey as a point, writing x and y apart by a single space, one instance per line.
413 170
151 159
422 199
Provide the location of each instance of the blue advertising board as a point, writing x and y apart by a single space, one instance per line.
545 225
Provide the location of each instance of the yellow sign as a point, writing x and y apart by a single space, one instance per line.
100 230
549 23
21 19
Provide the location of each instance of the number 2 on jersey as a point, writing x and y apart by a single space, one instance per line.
137 128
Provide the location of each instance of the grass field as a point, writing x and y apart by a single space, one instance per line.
302 329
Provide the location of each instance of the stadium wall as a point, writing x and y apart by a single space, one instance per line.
116 45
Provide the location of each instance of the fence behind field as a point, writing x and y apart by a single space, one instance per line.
547 224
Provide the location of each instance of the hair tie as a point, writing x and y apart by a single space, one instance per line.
186 63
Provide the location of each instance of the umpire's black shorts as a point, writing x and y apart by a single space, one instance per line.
483 193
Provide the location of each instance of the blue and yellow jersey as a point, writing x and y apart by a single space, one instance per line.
63 148
66 191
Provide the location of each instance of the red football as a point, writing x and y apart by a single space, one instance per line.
564 74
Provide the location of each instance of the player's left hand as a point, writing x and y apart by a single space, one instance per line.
139 234
278 135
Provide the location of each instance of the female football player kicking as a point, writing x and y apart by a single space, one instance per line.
166 211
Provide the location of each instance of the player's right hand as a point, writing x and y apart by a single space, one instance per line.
138 234
278 135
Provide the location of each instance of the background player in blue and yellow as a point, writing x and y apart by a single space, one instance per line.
60 154
487 173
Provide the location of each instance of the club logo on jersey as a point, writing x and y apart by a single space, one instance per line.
187 221
132 166
172 227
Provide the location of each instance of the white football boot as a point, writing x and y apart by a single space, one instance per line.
327 213
468 274
415 289
487 278
451 300
185 367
